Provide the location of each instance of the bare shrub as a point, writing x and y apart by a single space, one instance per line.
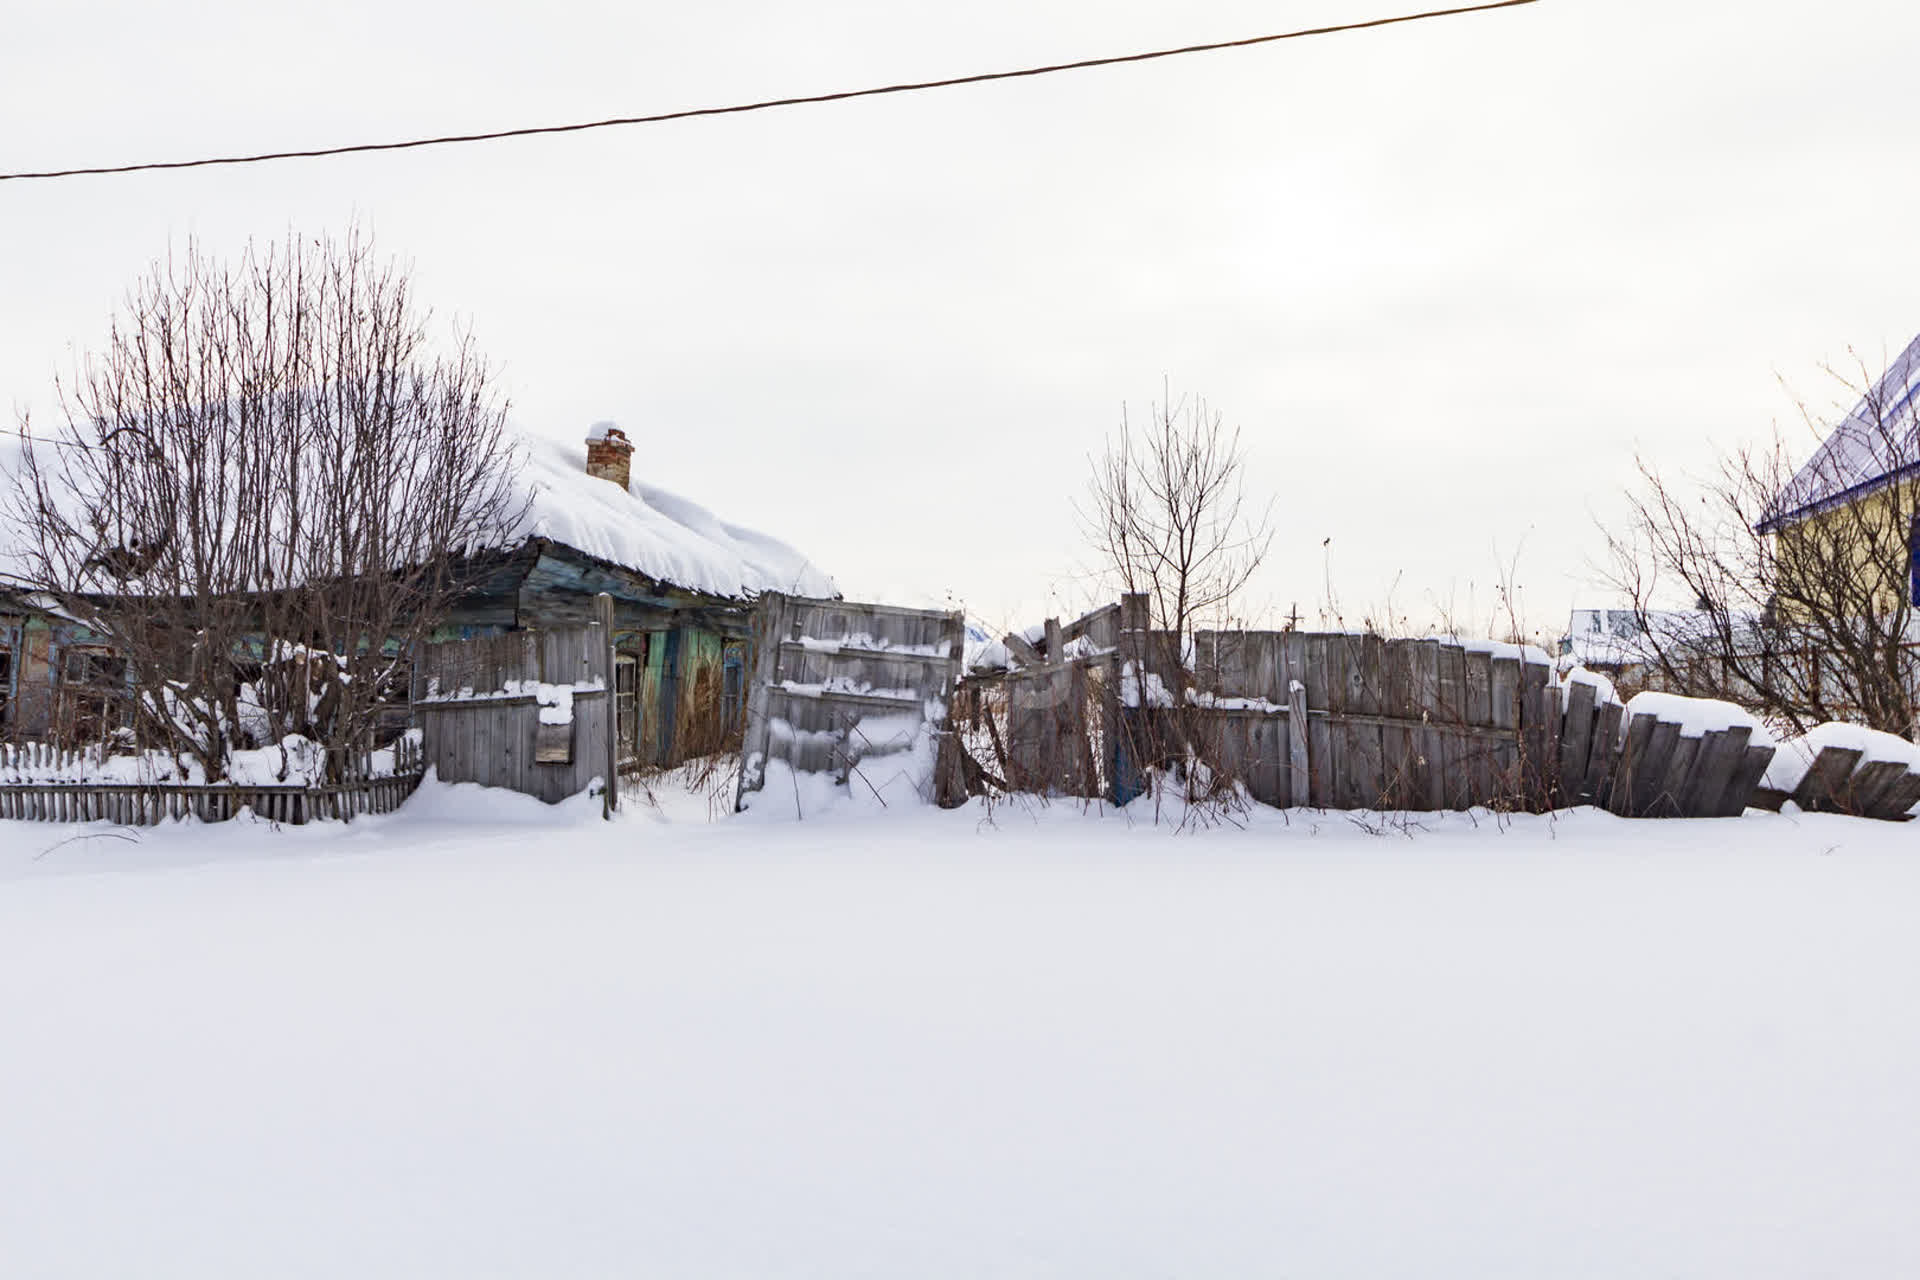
1167 514
1799 577
265 468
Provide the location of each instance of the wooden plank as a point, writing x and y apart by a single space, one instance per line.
1023 652
1825 778
1299 762
553 744
1902 797
1670 795
768 616
1312 671
1868 787
1504 709
1450 717
1366 679
1335 675
609 743
1398 741
1539 736
1426 783
1576 740
1743 786
1650 767
1482 766
1602 753
1714 769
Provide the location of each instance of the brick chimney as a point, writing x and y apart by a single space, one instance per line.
609 454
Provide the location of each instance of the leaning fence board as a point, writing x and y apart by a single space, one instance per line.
1603 752
1869 786
1825 778
1902 798
1576 739
1666 800
1721 753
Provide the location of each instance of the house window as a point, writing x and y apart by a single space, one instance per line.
6 685
93 694
626 705
733 682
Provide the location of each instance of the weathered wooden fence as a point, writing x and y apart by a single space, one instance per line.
1298 718
1346 721
26 793
820 669
1838 781
527 710
1385 724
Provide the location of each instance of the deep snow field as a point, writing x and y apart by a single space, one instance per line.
483 1038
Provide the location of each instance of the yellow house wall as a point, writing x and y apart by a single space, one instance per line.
1880 512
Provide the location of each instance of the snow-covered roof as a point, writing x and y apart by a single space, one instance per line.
656 532
1614 637
646 529
1873 444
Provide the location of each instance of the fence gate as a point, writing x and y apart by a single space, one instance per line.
856 693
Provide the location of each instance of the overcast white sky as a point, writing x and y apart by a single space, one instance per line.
1447 277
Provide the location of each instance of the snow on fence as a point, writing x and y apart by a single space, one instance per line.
1345 721
527 710
1297 718
41 783
1844 768
1415 724
854 696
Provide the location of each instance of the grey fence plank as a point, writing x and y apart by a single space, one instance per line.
1740 788
1576 740
1825 778
1650 768
1669 798
1870 784
1602 753
1714 771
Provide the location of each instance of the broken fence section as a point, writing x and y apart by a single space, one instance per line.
1843 780
857 694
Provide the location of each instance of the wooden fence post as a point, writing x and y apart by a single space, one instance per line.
610 793
1299 768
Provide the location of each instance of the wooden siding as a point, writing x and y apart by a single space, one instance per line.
491 738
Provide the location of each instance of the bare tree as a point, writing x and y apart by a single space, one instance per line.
1167 514
268 471
1786 588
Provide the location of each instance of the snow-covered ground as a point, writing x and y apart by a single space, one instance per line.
469 1040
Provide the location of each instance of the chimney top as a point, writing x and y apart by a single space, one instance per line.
609 453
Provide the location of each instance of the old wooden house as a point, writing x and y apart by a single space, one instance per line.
682 580
54 671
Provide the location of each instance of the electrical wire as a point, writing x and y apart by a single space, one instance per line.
766 105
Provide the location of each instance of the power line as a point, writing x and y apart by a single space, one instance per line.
53 441
769 104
